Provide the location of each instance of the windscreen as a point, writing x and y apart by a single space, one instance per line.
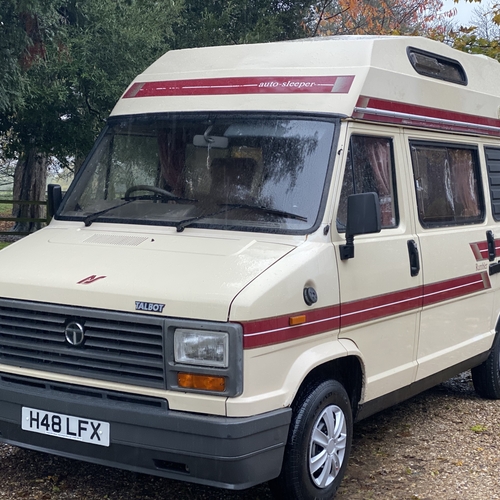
251 173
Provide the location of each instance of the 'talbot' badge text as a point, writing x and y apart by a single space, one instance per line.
148 306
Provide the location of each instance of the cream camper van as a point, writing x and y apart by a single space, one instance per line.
266 244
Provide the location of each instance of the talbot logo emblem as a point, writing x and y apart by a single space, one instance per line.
148 306
74 333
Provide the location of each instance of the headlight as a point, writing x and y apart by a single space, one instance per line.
201 347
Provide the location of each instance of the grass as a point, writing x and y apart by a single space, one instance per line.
5 208
3 245
478 428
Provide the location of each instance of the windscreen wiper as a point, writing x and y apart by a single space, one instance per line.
180 226
267 210
92 217
234 206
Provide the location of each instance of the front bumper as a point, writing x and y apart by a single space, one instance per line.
146 436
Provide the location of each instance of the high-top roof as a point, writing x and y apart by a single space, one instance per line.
336 75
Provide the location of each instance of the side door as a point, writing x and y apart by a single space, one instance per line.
452 229
488 252
380 287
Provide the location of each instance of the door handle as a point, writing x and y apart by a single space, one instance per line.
492 251
414 258
494 268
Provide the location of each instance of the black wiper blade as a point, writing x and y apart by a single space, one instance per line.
267 210
180 226
92 217
234 206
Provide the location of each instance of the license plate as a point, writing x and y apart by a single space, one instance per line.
65 426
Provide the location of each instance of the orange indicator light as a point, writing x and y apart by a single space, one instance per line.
297 320
203 382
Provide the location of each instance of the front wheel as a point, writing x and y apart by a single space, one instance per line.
486 376
319 443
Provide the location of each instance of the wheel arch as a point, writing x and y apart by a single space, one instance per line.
347 370
497 324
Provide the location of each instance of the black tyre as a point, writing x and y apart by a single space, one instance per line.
486 376
319 443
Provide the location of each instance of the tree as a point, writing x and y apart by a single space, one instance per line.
483 36
19 41
12 43
26 26
7 167
78 59
223 22
377 17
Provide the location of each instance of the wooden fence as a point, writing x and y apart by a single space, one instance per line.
44 220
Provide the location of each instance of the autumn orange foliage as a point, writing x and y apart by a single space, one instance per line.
376 17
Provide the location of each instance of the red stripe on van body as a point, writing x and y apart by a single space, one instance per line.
380 306
275 330
243 85
480 249
381 110
451 289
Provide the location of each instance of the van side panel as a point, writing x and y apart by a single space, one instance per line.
380 299
457 297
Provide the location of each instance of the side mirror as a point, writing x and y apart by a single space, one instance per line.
363 217
54 198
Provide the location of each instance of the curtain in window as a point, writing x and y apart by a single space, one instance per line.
380 159
464 185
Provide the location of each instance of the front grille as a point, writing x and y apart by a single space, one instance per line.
118 347
80 392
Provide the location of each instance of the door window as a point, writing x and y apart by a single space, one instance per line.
370 168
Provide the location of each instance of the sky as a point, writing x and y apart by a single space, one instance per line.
464 10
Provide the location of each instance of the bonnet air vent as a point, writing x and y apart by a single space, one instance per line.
436 66
110 239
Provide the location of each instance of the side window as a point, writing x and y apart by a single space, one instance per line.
447 183
370 168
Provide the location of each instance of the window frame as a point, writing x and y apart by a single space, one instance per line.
112 121
350 171
413 53
478 178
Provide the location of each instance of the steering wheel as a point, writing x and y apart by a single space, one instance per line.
144 187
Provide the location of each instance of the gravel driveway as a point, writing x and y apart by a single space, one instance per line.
440 445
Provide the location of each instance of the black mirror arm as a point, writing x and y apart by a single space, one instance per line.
347 250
